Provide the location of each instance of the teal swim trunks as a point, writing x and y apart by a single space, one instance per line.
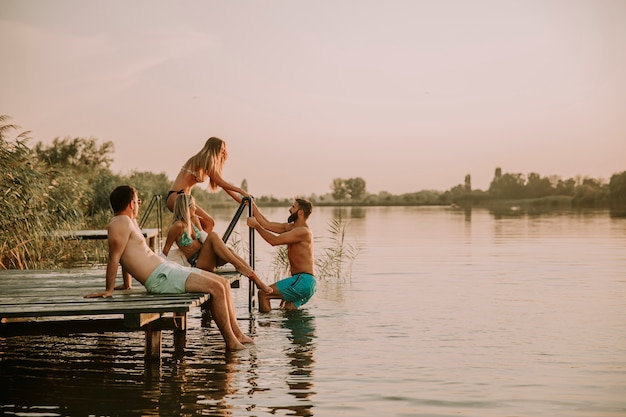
298 288
168 278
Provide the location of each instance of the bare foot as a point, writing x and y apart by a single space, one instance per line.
235 346
245 339
244 269
288 305
261 285
249 273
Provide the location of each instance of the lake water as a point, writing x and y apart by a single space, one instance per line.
446 313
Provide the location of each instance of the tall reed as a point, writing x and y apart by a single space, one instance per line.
36 202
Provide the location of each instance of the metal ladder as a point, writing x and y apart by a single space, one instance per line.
246 201
156 201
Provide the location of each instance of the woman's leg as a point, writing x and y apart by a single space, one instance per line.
208 258
214 251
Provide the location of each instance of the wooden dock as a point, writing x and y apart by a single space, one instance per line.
151 235
52 302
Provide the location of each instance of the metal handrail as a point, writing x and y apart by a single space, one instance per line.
246 201
156 200
236 217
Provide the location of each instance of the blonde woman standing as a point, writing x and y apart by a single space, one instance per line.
201 249
206 164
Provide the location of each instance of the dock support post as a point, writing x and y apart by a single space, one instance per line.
153 343
180 331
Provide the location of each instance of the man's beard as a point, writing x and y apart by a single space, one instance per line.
292 217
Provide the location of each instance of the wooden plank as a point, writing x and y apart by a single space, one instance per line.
100 308
61 293
149 234
101 234
137 320
68 278
20 300
67 327
61 328
51 302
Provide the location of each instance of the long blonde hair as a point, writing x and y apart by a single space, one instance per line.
181 211
210 160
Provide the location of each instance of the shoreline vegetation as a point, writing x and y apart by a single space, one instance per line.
65 186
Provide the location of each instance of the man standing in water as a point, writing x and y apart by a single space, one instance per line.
127 246
297 289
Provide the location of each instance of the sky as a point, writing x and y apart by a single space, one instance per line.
408 95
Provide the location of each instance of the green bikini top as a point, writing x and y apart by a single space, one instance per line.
185 239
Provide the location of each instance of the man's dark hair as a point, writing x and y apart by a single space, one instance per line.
121 197
305 206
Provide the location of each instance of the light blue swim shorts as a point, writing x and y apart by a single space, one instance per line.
298 288
168 278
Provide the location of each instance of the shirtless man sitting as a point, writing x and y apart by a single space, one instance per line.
297 289
127 246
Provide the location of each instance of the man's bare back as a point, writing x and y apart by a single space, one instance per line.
136 256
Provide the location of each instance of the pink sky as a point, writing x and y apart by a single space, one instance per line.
409 95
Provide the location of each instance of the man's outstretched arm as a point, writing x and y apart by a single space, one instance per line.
265 223
295 235
117 243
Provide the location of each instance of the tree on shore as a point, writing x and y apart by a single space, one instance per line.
617 192
351 187
338 187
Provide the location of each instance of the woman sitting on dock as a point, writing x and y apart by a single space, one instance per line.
201 249
206 164
128 247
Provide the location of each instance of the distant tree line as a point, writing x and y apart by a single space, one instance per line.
65 186
579 192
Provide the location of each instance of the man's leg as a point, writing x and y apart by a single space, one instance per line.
232 314
220 309
264 298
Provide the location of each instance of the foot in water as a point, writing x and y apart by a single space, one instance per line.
245 339
236 345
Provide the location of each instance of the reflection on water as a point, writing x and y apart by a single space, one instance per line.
349 212
449 312
106 374
301 326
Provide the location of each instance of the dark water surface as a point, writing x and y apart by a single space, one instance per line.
447 313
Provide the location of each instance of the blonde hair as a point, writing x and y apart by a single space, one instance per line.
209 160
181 211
